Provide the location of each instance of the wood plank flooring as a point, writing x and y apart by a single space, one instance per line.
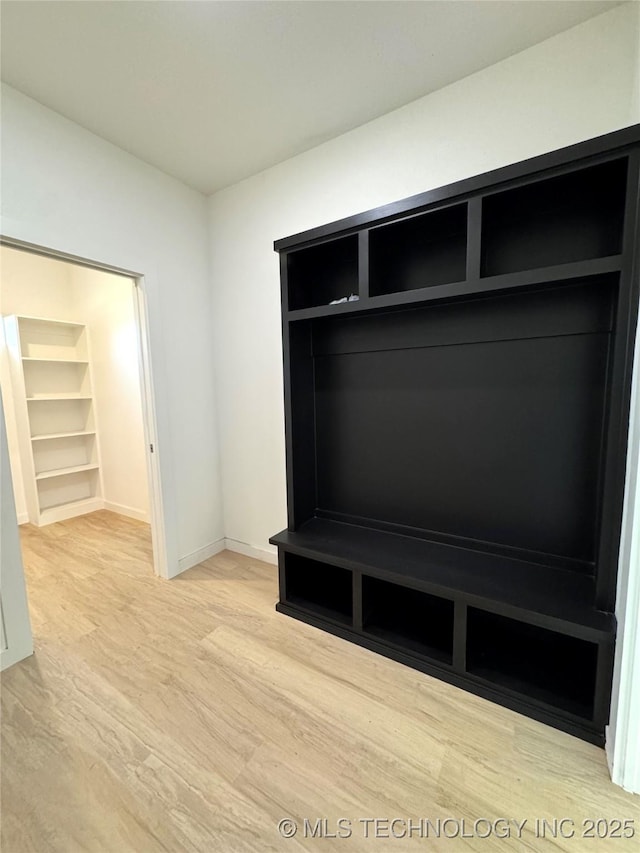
187 715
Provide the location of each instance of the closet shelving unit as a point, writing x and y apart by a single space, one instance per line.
55 412
456 439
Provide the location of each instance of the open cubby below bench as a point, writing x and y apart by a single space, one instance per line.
527 659
325 590
405 617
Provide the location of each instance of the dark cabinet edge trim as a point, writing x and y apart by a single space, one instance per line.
609 143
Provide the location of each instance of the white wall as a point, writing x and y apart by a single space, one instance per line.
577 85
68 190
104 302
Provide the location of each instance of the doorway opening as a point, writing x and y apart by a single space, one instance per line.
77 389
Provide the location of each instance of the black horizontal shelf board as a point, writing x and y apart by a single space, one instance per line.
327 310
550 715
476 286
496 583
557 273
608 143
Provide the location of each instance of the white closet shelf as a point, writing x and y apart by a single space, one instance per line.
48 436
52 513
61 472
59 397
56 360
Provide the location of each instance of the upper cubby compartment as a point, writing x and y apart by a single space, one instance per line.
421 251
572 217
51 340
320 274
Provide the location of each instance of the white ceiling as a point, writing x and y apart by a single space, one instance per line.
212 92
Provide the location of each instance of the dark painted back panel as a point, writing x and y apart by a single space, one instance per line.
419 252
319 274
568 309
495 440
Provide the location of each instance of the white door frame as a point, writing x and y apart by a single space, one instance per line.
623 732
16 639
156 509
156 506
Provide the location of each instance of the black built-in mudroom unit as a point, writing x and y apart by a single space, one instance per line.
456 437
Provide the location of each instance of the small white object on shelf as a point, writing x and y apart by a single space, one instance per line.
352 298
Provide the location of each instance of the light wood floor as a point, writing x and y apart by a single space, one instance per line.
187 715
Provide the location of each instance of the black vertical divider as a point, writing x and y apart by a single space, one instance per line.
620 395
288 413
284 284
357 601
363 265
282 575
301 468
474 237
460 636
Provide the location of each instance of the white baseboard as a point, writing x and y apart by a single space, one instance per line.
23 518
199 556
608 749
251 551
213 548
65 511
129 511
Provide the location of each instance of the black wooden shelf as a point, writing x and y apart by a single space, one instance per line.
542 593
467 287
456 435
